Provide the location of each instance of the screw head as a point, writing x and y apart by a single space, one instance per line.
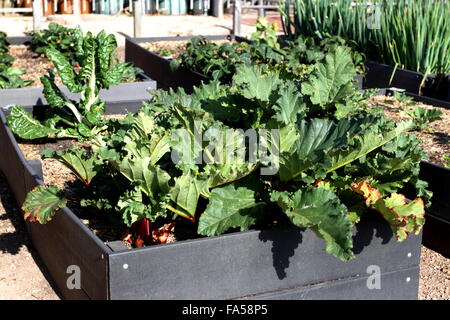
125 266
409 255
408 279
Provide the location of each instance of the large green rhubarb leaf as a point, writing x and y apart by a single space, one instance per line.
229 208
314 138
290 106
42 203
25 126
322 211
185 195
332 80
360 145
151 179
255 84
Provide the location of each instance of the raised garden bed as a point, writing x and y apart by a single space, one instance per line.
131 91
157 66
436 230
379 75
254 264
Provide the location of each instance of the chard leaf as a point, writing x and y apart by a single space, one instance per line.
322 211
52 94
332 80
25 126
114 76
42 203
65 70
402 215
88 72
85 167
106 46
229 208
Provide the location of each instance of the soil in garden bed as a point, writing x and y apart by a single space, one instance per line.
36 65
435 140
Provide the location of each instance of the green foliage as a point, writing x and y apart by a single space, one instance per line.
266 32
293 60
42 203
412 35
67 118
423 117
185 157
447 160
58 37
9 76
322 211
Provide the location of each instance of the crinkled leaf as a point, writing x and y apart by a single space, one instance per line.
322 211
402 215
185 195
229 207
151 179
42 203
332 80
65 70
255 84
25 126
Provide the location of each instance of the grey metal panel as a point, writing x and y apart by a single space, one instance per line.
253 262
397 285
158 68
19 40
438 178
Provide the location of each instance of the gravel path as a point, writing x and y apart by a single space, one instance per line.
21 273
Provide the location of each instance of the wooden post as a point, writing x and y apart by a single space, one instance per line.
137 18
237 17
37 14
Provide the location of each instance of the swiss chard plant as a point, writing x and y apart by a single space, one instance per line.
261 152
67 118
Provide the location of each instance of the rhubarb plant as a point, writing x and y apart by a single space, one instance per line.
261 152
66 118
